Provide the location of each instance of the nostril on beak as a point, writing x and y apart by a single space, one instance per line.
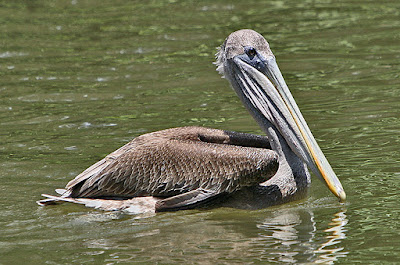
260 64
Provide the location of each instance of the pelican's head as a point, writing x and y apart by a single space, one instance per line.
248 63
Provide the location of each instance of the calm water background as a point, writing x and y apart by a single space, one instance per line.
81 78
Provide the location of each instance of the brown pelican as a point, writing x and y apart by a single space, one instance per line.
186 167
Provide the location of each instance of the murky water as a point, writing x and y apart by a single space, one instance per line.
81 78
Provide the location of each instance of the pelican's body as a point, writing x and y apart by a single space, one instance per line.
186 167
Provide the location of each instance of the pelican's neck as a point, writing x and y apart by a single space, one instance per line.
289 183
292 176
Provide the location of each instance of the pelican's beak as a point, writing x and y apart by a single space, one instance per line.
261 83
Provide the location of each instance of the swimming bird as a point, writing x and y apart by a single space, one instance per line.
187 167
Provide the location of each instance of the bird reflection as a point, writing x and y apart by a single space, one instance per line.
336 233
278 235
291 237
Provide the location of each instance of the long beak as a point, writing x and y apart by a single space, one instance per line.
266 91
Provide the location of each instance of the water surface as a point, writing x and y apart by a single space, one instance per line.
81 78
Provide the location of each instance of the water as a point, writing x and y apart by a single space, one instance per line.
81 78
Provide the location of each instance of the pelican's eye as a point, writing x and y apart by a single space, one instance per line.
250 51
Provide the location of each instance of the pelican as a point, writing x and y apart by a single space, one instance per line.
188 167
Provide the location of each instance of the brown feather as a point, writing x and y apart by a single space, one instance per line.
178 160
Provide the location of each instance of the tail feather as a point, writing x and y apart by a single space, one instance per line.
62 192
135 205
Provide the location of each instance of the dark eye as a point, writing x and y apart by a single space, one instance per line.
250 51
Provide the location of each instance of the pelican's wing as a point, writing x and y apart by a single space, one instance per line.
176 161
187 200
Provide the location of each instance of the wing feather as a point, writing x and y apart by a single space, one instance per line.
175 161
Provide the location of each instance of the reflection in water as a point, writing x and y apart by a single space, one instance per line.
283 234
327 253
287 235
294 239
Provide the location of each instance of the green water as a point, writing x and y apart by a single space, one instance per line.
78 79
